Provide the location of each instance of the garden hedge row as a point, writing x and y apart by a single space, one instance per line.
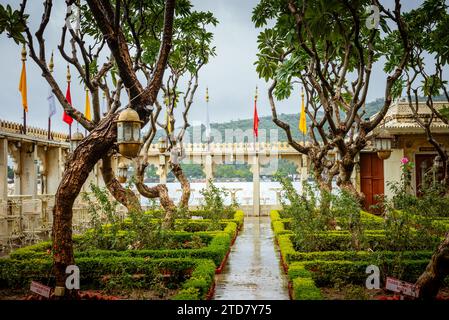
307 271
218 245
369 220
93 270
34 262
327 273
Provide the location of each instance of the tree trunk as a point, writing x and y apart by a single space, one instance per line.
185 185
325 203
125 196
346 168
438 268
160 191
77 169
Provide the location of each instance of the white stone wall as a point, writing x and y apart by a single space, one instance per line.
392 169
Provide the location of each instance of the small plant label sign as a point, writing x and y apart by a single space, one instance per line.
399 286
40 289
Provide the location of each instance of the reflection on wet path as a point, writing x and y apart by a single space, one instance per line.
253 270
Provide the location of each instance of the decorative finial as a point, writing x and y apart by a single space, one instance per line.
69 77
51 65
207 94
257 93
24 53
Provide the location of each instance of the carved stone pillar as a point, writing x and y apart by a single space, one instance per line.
255 169
162 170
208 168
14 151
3 169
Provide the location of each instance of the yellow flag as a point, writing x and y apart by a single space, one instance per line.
302 120
23 87
87 113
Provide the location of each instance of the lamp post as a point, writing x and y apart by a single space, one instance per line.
128 133
382 144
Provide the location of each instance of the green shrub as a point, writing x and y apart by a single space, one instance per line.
327 273
191 293
305 289
94 271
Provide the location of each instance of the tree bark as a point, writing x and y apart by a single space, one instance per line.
159 191
77 169
438 268
125 196
185 185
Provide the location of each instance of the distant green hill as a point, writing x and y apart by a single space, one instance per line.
266 123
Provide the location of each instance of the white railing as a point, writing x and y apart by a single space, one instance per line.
25 221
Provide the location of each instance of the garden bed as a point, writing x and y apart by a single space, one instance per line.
316 274
181 273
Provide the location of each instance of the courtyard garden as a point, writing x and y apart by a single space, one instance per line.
327 244
134 257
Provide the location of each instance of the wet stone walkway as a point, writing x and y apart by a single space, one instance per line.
253 270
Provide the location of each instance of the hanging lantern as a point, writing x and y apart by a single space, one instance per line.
75 140
162 144
128 133
382 143
122 172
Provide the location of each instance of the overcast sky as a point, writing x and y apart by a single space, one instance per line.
231 76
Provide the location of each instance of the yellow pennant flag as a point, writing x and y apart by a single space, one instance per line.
167 118
87 113
302 120
23 86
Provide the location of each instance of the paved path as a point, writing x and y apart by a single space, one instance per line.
253 270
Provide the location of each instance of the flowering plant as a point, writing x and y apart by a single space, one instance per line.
406 168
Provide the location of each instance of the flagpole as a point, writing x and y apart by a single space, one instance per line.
302 119
24 122
256 136
24 58
51 66
69 78
207 119
49 128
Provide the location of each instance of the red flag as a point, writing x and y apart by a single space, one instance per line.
66 118
256 120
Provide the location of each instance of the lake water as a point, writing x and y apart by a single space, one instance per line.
244 196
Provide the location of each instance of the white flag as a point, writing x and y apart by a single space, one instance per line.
51 103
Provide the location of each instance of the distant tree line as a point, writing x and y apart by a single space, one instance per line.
226 171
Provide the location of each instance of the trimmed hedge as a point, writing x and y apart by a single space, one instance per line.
327 273
278 224
34 262
369 220
307 271
19 273
199 283
305 289
289 254
218 245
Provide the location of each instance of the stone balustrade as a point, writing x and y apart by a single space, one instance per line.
17 128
